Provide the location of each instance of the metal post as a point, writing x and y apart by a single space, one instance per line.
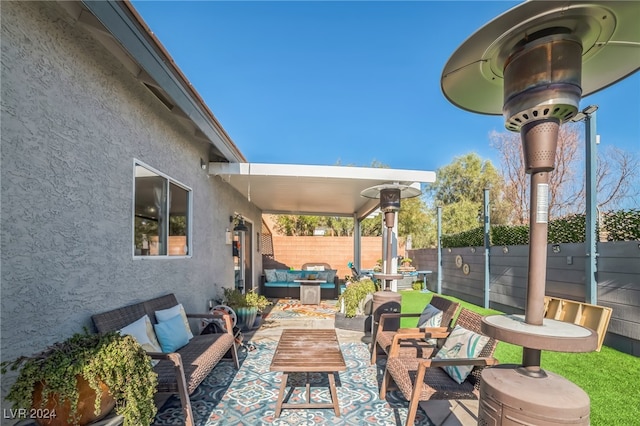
487 242
439 285
591 213
357 243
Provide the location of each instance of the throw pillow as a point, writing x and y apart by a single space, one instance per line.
323 275
461 343
331 275
270 275
171 334
292 276
142 331
430 317
166 314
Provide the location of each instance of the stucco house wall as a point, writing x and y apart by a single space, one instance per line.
73 121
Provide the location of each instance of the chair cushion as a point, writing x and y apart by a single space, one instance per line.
461 343
171 334
281 275
436 385
270 275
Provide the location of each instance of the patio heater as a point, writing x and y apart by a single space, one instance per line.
533 64
390 196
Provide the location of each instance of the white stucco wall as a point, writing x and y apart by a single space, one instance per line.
73 120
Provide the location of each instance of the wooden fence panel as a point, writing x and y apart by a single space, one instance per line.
618 276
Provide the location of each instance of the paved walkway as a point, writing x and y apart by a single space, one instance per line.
441 413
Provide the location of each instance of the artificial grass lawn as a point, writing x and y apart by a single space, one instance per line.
610 378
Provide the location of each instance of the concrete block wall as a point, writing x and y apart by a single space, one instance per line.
293 252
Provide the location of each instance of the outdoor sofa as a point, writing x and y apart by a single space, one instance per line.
280 283
183 370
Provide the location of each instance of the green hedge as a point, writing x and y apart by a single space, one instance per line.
623 225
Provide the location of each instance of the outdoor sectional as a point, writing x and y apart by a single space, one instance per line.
280 284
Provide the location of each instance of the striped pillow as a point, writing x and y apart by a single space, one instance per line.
461 343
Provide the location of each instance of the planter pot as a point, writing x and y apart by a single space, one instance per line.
361 323
61 411
246 317
258 321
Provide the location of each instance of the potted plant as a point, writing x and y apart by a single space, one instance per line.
246 306
72 381
406 261
356 305
259 302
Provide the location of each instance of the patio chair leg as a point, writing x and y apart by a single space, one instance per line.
385 383
234 355
415 395
374 352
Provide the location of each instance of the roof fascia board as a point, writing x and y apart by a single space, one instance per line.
339 172
127 32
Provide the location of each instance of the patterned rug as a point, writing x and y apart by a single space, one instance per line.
292 308
248 396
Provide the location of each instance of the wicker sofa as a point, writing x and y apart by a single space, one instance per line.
280 284
182 371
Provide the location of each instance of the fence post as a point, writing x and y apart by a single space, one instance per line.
439 215
487 242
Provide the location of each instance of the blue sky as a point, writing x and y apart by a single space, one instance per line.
349 82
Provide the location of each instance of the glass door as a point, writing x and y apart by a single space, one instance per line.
243 259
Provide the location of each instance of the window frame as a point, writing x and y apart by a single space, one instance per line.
189 232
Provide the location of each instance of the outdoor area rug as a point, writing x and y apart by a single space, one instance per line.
292 308
248 396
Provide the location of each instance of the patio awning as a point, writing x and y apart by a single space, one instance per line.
313 189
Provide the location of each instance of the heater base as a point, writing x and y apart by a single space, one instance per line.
508 397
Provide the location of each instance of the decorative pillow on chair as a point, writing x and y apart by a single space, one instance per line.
461 343
171 334
430 317
281 276
270 275
331 275
323 275
167 314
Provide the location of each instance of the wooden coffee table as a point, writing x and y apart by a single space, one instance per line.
308 351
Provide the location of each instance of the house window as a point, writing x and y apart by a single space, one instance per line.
162 211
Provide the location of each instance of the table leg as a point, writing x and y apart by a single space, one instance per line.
308 385
334 394
283 386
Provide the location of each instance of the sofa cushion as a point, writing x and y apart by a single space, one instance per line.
281 275
270 275
278 284
292 276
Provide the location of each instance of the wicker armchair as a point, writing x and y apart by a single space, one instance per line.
419 380
413 348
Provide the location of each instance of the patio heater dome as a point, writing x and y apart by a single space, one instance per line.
533 64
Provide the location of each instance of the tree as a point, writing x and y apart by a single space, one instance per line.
459 188
615 173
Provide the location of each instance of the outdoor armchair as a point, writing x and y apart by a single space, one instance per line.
417 346
422 379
